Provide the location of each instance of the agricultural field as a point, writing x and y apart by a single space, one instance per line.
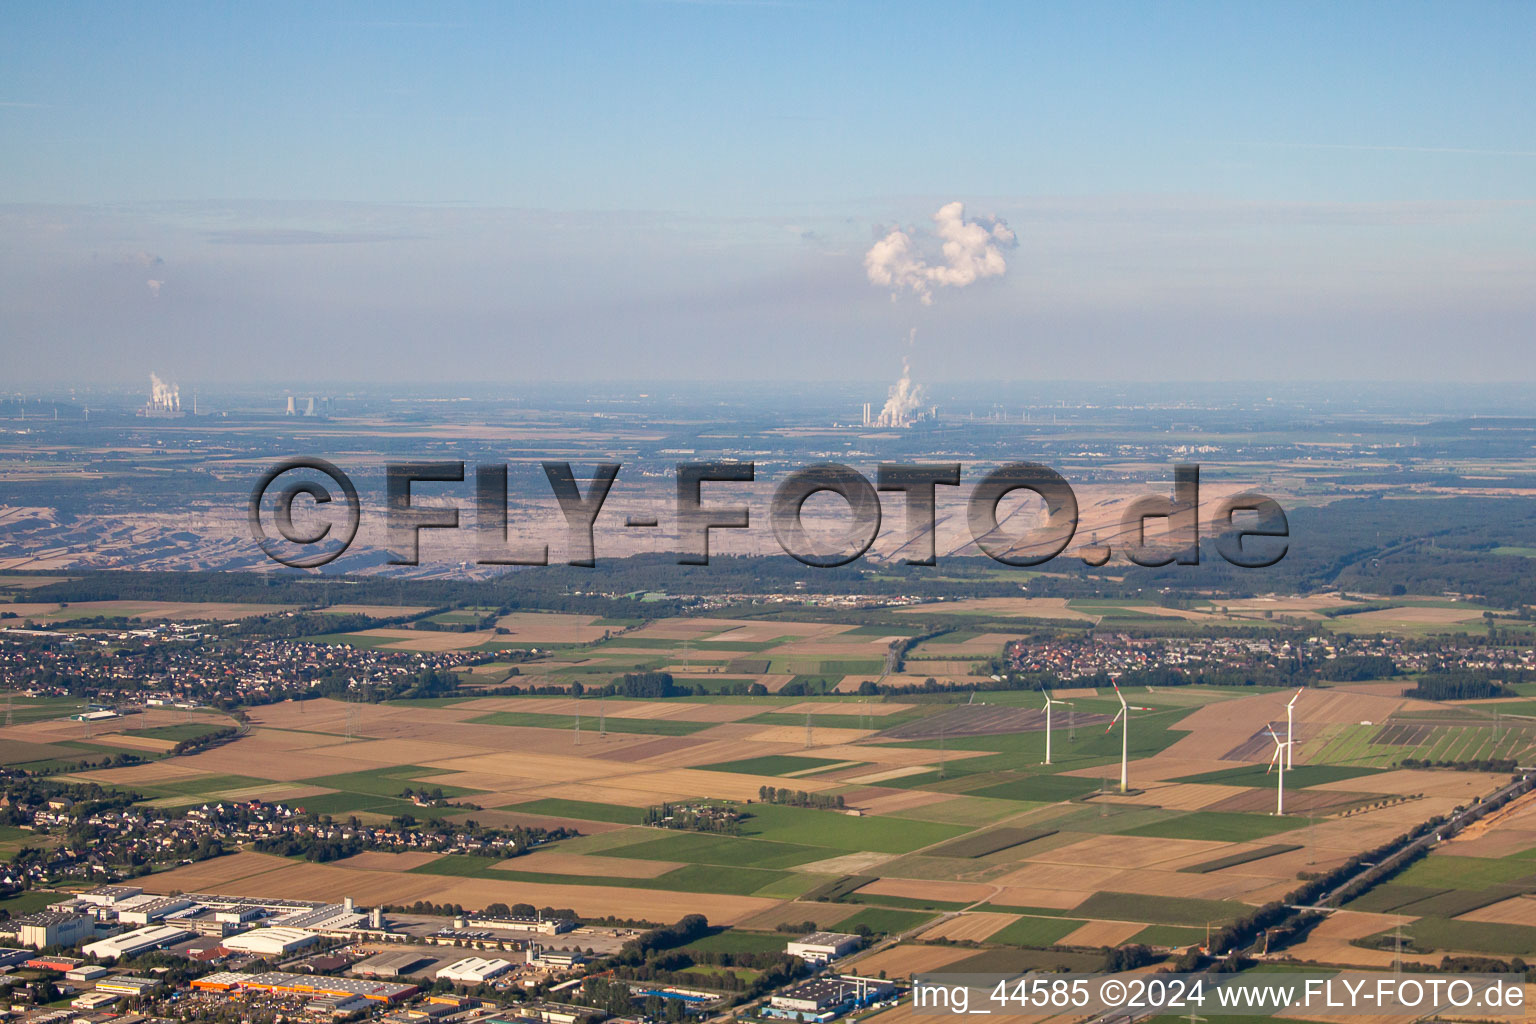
928 818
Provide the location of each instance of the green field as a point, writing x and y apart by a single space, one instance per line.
732 940
884 921
1219 825
1444 871
1169 935
175 733
1358 744
701 848
31 901
612 723
1299 778
773 764
995 841
1037 932
1127 906
702 878
1438 934
784 824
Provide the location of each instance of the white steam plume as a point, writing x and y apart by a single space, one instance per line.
163 396
972 250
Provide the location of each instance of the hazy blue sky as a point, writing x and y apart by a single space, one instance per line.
626 187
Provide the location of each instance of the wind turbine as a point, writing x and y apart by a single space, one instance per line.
1049 700
1125 734
1281 755
1290 730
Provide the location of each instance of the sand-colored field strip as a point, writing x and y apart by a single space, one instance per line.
893 801
379 860
551 628
1101 933
596 901
820 735
282 766
1129 851
213 875
907 959
141 774
334 881
1496 844
376 611
971 927
554 862
1414 615
1004 607
886 775
870 707
1517 910
1452 785
1329 942
1049 897
861 863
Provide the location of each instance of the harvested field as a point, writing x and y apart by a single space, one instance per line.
889 801
821 735
378 860
1005 608
972 927
1457 786
1516 910
213 875
1101 933
551 628
141 774
555 862
376 611
906 959
333 881
1122 852
1050 897
1329 942
887 774
848 864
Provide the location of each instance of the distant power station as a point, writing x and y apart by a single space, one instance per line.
164 399
307 406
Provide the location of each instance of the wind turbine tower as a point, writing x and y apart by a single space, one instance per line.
1281 755
1125 735
1049 701
1290 729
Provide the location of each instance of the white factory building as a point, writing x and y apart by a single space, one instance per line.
274 941
143 940
820 947
473 970
145 909
53 928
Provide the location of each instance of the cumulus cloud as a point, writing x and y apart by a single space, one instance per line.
972 249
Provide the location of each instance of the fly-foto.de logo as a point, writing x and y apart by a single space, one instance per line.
1250 529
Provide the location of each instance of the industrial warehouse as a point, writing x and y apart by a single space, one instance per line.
228 982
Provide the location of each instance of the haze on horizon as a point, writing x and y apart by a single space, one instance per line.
656 190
